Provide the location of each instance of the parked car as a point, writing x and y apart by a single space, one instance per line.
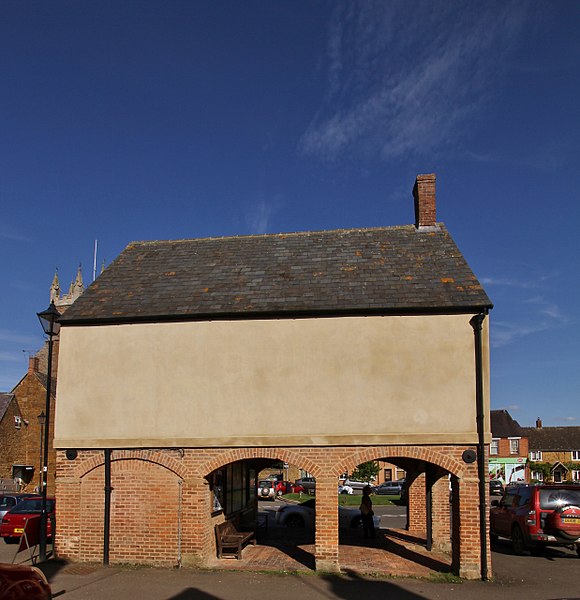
23 582
308 483
13 522
532 516
266 490
303 515
345 489
8 500
389 488
287 487
496 487
357 485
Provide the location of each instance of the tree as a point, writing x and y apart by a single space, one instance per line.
366 471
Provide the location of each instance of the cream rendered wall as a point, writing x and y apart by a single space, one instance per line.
359 380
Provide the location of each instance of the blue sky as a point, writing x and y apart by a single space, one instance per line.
123 121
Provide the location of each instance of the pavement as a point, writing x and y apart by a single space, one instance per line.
555 575
552 577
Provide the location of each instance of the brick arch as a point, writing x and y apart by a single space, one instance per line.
149 456
229 456
418 453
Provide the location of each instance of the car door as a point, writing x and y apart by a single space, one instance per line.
501 516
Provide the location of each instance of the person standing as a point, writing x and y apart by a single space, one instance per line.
366 511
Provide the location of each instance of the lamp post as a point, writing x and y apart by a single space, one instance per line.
49 321
41 420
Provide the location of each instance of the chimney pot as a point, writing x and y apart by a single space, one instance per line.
424 194
538 423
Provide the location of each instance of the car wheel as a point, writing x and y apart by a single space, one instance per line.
356 522
518 541
294 521
344 492
578 550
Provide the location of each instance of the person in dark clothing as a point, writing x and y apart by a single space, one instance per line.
366 511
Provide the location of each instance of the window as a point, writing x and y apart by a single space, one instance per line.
514 445
388 474
494 447
537 476
575 475
575 454
536 455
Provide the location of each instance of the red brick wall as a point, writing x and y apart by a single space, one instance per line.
139 477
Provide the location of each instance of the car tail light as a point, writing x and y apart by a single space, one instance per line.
531 518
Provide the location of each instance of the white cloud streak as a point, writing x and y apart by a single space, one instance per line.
259 217
404 78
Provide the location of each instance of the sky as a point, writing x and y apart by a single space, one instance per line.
138 120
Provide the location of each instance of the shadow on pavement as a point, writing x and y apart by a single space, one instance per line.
352 586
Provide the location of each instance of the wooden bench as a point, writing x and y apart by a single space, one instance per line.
229 538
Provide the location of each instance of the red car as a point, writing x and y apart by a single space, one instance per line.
287 487
533 516
21 582
13 522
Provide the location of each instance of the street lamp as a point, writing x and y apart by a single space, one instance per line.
41 420
49 321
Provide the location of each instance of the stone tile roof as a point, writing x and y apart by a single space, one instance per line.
553 438
385 269
5 400
503 425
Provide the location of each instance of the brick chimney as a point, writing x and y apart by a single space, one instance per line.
33 364
424 194
538 423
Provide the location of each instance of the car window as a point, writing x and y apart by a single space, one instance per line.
551 499
508 499
523 496
7 502
32 505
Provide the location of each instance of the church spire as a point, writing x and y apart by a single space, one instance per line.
55 288
78 286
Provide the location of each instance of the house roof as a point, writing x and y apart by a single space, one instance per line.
553 438
386 269
503 425
5 400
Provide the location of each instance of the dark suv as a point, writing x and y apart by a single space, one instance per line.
533 516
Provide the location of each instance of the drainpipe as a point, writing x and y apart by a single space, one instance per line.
107 523
476 322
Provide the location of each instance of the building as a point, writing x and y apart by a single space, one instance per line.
21 425
190 366
508 451
554 453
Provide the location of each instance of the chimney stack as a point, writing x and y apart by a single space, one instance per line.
424 194
33 364
538 423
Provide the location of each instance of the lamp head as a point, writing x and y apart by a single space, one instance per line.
49 320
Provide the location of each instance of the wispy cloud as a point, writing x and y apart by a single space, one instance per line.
12 234
570 419
10 357
26 341
259 217
403 79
